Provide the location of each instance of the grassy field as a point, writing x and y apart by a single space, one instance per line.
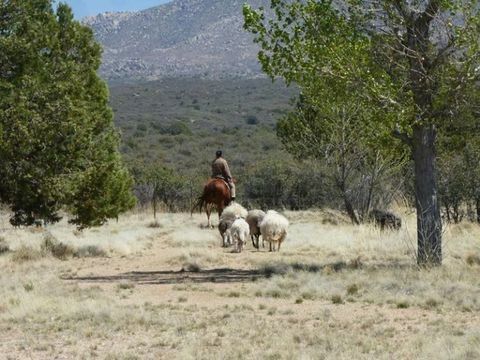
140 289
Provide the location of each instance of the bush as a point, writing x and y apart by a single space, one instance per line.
191 267
175 128
252 120
50 245
403 304
154 224
352 289
90 251
473 259
432 303
337 299
142 127
125 285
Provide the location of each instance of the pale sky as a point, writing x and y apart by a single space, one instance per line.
83 8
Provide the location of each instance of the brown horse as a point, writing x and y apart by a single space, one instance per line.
215 193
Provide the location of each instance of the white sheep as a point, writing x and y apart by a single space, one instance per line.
274 228
254 218
229 215
239 232
233 210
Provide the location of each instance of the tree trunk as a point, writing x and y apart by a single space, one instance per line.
155 207
447 209
348 204
350 210
477 205
429 224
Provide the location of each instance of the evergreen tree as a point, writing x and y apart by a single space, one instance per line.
57 134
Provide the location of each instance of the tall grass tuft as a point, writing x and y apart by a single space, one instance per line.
26 253
4 248
50 245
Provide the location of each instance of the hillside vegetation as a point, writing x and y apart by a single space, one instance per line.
182 122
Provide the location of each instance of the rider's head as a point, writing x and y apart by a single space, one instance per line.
219 153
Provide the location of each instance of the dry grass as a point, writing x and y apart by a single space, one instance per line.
3 246
334 291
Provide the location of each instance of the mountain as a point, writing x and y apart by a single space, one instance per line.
181 38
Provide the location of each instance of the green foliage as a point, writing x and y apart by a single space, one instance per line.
183 139
57 135
102 192
402 68
281 184
338 57
252 120
312 44
161 185
459 181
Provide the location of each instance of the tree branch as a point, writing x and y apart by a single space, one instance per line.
403 10
442 54
403 137
430 11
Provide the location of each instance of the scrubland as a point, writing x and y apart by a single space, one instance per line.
138 289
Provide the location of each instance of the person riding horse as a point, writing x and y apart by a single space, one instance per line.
220 170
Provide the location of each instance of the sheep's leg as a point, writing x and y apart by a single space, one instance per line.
270 246
279 243
253 240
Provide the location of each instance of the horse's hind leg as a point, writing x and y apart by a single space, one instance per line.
208 210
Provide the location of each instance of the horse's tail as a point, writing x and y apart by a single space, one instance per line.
199 204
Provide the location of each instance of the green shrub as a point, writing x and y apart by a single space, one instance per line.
352 289
252 120
337 299
473 259
125 285
403 304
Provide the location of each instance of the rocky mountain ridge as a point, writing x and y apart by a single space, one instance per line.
181 38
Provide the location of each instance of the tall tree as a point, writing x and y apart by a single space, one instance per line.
417 61
58 143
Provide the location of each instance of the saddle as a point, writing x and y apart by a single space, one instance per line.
224 181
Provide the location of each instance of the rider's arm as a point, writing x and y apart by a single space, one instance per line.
226 169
